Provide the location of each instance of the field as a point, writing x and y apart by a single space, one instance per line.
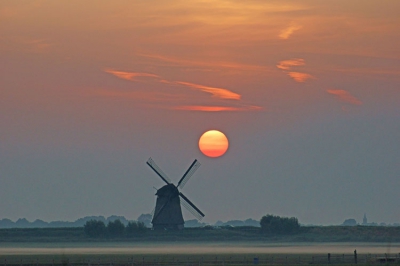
190 254
199 246
234 234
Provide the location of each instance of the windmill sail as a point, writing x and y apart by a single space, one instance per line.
190 171
158 171
191 207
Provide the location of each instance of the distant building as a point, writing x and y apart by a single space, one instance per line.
365 221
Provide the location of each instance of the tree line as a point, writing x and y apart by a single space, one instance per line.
95 228
276 225
270 225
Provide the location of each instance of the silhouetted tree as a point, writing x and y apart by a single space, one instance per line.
272 224
135 227
116 228
146 219
94 228
350 222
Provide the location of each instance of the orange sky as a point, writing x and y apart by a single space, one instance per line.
234 46
93 76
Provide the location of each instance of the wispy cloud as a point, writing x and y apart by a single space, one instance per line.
287 64
205 108
286 33
221 94
130 75
345 96
300 77
216 92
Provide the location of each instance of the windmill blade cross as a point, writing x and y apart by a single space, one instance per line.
191 207
190 171
158 171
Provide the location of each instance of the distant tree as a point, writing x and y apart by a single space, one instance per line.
350 222
116 228
235 223
194 223
135 228
146 219
272 224
93 228
252 222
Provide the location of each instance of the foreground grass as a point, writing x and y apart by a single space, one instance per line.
186 259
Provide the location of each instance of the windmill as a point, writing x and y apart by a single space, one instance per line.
168 212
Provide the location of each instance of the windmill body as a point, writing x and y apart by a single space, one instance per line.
168 212
170 216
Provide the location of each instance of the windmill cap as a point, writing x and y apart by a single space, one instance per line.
167 191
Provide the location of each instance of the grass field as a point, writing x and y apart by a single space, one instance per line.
189 254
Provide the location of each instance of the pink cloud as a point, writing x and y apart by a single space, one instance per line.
130 75
345 96
300 77
216 92
205 108
220 93
286 33
287 64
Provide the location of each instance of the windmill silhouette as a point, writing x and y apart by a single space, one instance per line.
168 212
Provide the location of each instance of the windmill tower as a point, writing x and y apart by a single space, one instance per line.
168 212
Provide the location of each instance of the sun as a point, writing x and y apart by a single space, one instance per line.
213 143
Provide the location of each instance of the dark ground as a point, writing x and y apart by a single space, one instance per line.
305 234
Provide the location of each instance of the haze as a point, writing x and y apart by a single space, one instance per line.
192 248
307 93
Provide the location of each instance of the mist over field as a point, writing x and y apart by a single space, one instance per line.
170 248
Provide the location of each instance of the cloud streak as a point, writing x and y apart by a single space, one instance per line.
206 108
345 96
216 92
130 75
300 77
287 65
220 93
286 33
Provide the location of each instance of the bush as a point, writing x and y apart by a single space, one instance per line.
271 224
94 228
116 228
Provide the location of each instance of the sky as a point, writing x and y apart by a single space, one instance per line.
307 92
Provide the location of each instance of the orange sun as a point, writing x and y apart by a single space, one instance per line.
213 143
